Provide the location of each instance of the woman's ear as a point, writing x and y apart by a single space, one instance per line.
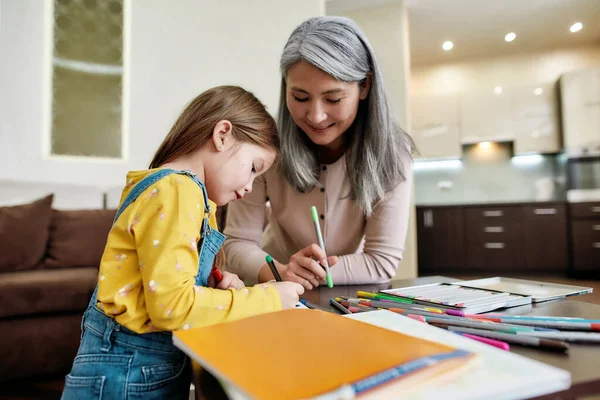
222 135
365 86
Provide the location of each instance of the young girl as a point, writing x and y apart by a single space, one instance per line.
154 274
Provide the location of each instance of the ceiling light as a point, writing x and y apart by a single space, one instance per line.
448 45
485 145
498 89
510 36
576 27
538 91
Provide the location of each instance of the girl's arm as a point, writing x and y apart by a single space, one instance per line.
166 237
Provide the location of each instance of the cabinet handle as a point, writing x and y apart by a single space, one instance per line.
596 245
495 245
497 213
595 209
544 211
428 218
493 229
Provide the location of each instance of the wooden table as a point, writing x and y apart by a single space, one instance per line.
582 361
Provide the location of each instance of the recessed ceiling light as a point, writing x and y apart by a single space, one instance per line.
498 89
510 36
576 27
448 45
538 91
484 145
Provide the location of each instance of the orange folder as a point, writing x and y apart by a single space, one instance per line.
298 354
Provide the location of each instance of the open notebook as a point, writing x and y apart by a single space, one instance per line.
300 354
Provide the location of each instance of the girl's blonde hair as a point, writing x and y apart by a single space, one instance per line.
249 119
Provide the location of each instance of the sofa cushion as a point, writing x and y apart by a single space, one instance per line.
24 234
78 237
46 291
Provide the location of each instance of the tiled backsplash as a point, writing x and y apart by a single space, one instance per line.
488 173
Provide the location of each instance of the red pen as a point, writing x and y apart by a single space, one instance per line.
216 274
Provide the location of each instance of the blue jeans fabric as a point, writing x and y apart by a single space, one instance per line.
114 362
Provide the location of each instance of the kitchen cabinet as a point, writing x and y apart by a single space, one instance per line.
486 116
546 238
535 115
440 237
435 126
585 237
494 239
580 105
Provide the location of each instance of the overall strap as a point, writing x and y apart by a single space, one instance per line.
151 179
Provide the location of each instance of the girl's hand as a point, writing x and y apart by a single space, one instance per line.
229 281
289 293
303 268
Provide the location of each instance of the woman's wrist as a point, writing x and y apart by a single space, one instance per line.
265 274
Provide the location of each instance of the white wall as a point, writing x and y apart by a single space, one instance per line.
175 53
386 28
516 70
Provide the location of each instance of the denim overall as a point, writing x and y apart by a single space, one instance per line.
116 363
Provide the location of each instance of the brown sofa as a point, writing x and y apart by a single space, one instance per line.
48 270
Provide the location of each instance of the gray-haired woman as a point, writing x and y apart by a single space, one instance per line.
343 152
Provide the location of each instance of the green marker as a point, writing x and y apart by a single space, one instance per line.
315 218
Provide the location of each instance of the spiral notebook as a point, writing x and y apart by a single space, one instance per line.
301 354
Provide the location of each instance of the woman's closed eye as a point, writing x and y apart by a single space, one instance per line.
301 99
334 101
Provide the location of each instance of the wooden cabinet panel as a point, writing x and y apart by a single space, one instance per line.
435 126
485 115
440 237
585 242
546 237
580 103
535 111
585 210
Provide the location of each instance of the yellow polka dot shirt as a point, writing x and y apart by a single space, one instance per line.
147 274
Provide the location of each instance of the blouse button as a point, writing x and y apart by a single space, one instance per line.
322 190
322 216
324 167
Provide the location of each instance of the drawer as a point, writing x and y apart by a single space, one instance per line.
494 223
485 252
583 210
585 242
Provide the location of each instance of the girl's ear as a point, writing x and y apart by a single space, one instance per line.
222 136
365 86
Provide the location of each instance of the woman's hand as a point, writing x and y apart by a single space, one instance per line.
229 281
303 268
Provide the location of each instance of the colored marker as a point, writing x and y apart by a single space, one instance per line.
315 218
491 342
380 296
314 306
512 338
216 274
340 307
273 268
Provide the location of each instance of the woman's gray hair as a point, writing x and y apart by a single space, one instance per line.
377 146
